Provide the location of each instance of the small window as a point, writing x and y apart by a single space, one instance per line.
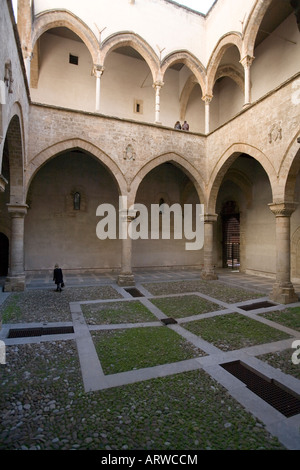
138 106
73 59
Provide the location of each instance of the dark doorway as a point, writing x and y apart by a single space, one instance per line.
231 235
4 248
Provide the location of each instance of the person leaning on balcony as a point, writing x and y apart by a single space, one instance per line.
185 126
177 125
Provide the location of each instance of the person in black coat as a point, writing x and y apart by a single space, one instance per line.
58 278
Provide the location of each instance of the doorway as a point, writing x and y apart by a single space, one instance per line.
231 235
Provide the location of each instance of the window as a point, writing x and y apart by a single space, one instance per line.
73 59
138 106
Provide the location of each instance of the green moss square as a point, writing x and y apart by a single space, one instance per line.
234 331
135 348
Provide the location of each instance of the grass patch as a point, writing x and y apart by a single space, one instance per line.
234 331
11 310
282 360
117 312
290 317
215 289
136 348
184 306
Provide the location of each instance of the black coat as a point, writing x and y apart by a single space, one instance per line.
58 276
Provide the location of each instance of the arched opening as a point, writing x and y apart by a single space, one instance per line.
276 48
126 85
245 232
57 229
165 243
228 93
61 68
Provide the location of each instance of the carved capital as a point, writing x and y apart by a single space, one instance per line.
210 218
207 98
158 85
98 70
247 61
283 209
17 210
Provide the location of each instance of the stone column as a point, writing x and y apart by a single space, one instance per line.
15 280
126 278
283 290
157 86
207 100
208 272
98 72
246 63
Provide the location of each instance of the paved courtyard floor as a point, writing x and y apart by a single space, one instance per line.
95 379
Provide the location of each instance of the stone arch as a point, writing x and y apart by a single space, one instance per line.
190 61
178 161
289 170
185 95
133 40
252 26
15 147
227 41
224 163
64 146
64 18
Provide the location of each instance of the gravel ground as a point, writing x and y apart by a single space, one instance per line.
43 405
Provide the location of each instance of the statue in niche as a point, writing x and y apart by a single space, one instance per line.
76 201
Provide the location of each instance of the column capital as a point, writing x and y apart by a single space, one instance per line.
98 70
17 210
158 84
283 209
207 98
210 218
247 61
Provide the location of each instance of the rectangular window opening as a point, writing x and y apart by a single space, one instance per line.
73 59
138 106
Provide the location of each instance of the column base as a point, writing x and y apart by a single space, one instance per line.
209 275
283 294
15 284
126 280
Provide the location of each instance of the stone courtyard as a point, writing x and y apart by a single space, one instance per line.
123 380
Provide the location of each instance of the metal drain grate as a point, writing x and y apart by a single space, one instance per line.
256 305
168 321
134 292
31 332
272 392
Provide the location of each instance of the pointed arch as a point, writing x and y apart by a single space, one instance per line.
179 161
188 59
137 43
252 26
15 147
43 157
227 41
289 170
224 163
64 18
